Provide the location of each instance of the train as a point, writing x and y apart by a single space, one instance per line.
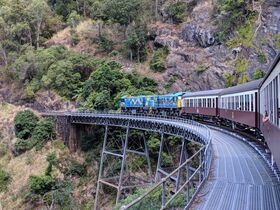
253 106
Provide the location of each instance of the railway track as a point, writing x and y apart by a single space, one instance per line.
240 178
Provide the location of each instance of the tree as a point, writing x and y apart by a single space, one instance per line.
176 12
61 78
38 10
158 62
136 42
25 122
122 12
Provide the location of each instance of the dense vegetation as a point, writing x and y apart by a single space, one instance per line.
32 132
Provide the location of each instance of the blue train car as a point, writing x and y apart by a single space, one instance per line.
133 104
157 104
171 103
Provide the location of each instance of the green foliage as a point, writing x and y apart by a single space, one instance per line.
241 65
75 169
232 14
176 11
89 142
5 179
61 75
244 78
136 42
51 158
25 122
170 82
277 40
153 201
119 11
258 74
229 79
244 35
59 144
107 84
43 132
105 44
200 68
158 62
41 184
261 57
22 146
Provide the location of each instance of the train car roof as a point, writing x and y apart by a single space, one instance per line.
203 93
253 85
271 68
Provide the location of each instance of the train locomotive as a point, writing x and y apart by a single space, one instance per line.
170 104
253 106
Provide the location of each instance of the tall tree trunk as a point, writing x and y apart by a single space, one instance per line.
138 54
38 34
156 9
84 9
4 55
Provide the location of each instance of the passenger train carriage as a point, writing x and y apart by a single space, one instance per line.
201 103
270 105
252 106
239 104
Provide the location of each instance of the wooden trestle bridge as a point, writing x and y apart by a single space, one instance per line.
240 178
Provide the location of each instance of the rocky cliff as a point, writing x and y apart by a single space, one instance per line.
198 60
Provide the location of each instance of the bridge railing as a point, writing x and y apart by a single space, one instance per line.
166 195
198 129
190 175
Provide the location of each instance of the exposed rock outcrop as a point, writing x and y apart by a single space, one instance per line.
198 35
198 60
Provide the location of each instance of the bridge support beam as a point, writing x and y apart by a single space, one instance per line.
106 151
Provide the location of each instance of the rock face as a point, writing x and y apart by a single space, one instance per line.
198 35
198 61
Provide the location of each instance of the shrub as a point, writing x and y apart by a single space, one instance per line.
277 40
105 44
25 122
43 131
41 184
22 146
241 65
200 68
244 78
158 62
170 82
5 179
51 158
75 169
261 57
229 79
176 11
258 74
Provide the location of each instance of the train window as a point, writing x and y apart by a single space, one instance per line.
241 103
247 101
236 102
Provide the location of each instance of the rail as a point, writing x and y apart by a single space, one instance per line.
190 175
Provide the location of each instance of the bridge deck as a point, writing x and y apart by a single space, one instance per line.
240 178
